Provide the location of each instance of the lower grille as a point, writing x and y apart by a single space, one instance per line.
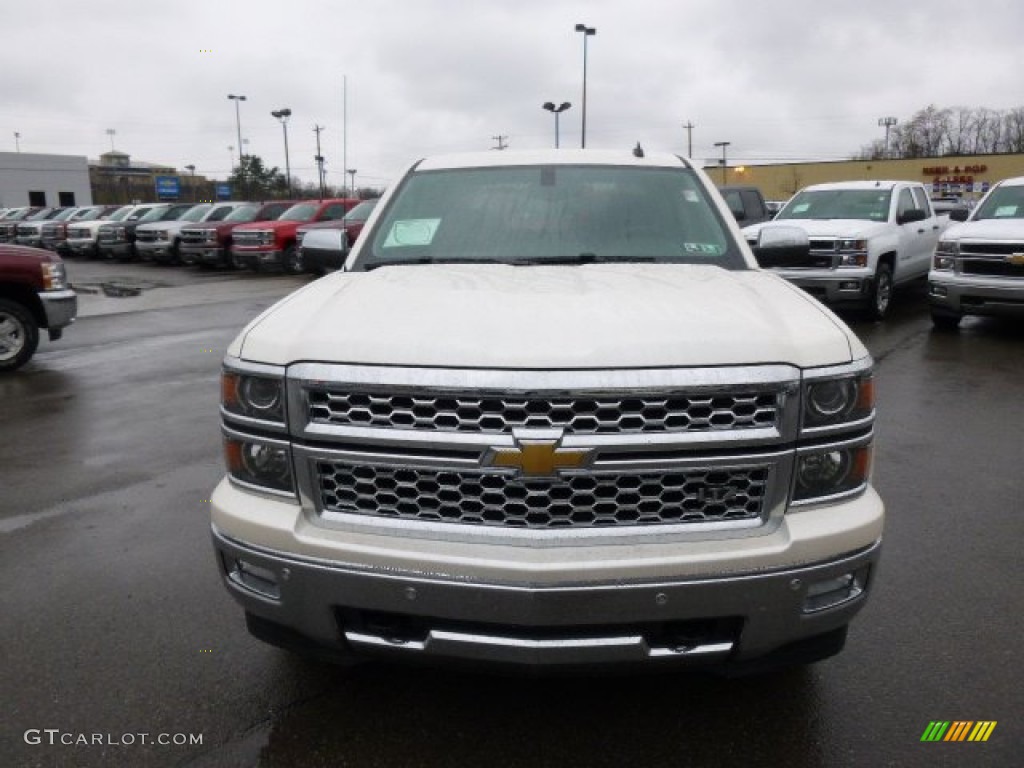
590 500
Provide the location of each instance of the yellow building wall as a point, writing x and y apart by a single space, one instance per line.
965 176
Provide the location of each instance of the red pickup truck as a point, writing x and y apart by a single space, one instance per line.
34 294
264 245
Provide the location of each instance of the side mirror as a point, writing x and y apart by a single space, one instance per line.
959 214
782 246
914 214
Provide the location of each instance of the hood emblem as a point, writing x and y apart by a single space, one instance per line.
1017 259
538 458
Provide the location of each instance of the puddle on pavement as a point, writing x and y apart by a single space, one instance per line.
120 287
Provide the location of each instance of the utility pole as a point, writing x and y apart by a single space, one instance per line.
17 142
352 174
502 141
689 126
319 159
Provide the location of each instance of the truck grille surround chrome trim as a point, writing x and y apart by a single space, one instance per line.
720 460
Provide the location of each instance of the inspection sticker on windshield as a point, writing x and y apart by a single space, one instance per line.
800 208
411 232
1006 212
708 249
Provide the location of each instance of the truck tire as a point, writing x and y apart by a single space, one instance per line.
19 335
881 292
292 260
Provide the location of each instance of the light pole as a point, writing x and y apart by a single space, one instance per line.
192 183
283 115
231 153
556 111
110 133
238 125
587 32
352 172
887 123
17 142
723 145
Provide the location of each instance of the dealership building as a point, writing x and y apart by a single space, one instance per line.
967 177
43 180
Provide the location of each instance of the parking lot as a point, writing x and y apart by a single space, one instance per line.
115 622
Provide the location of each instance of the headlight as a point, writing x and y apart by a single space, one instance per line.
942 262
121 232
947 248
262 463
833 401
54 276
163 235
853 253
832 471
253 396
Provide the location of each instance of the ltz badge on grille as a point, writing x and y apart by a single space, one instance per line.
538 458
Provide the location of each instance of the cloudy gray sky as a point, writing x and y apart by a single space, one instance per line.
782 80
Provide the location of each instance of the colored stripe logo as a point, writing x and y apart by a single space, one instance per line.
958 730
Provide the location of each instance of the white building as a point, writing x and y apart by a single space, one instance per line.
33 179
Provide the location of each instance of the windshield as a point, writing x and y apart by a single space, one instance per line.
1004 203
869 204
299 212
45 213
175 212
361 212
551 214
148 214
218 213
120 213
244 213
66 214
90 214
196 213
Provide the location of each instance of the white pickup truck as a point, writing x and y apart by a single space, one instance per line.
550 412
866 238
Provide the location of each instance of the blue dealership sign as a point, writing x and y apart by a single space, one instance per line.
223 191
168 187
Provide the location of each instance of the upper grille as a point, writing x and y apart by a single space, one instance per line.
107 236
993 267
996 249
571 501
146 235
500 413
246 237
822 256
79 232
198 235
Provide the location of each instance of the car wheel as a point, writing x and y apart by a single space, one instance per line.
292 259
19 335
881 292
945 322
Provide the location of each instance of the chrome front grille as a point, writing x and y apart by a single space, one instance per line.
574 500
251 238
197 236
145 235
500 413
991 247
991 267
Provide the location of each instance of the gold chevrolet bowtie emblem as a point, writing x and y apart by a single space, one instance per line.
1017 259
539 458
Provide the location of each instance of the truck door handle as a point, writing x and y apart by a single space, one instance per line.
920 231
935 226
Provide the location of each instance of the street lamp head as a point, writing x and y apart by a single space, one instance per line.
191 168
586 30
282 114
548 105
564 106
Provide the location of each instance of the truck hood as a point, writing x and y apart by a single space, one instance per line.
847 229
987 229
549 317
271 225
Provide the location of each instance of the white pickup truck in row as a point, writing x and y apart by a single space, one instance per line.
866 238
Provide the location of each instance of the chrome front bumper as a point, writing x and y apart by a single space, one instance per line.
61 308
959 294
709 620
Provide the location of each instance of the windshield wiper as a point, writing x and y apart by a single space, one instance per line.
428 260
584 258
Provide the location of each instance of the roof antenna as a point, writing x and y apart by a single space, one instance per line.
638 151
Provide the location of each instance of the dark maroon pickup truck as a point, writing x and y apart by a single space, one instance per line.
34 294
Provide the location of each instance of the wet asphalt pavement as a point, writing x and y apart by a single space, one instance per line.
114 622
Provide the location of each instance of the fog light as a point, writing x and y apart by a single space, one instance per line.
937 290
849 285
828 593
253 577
